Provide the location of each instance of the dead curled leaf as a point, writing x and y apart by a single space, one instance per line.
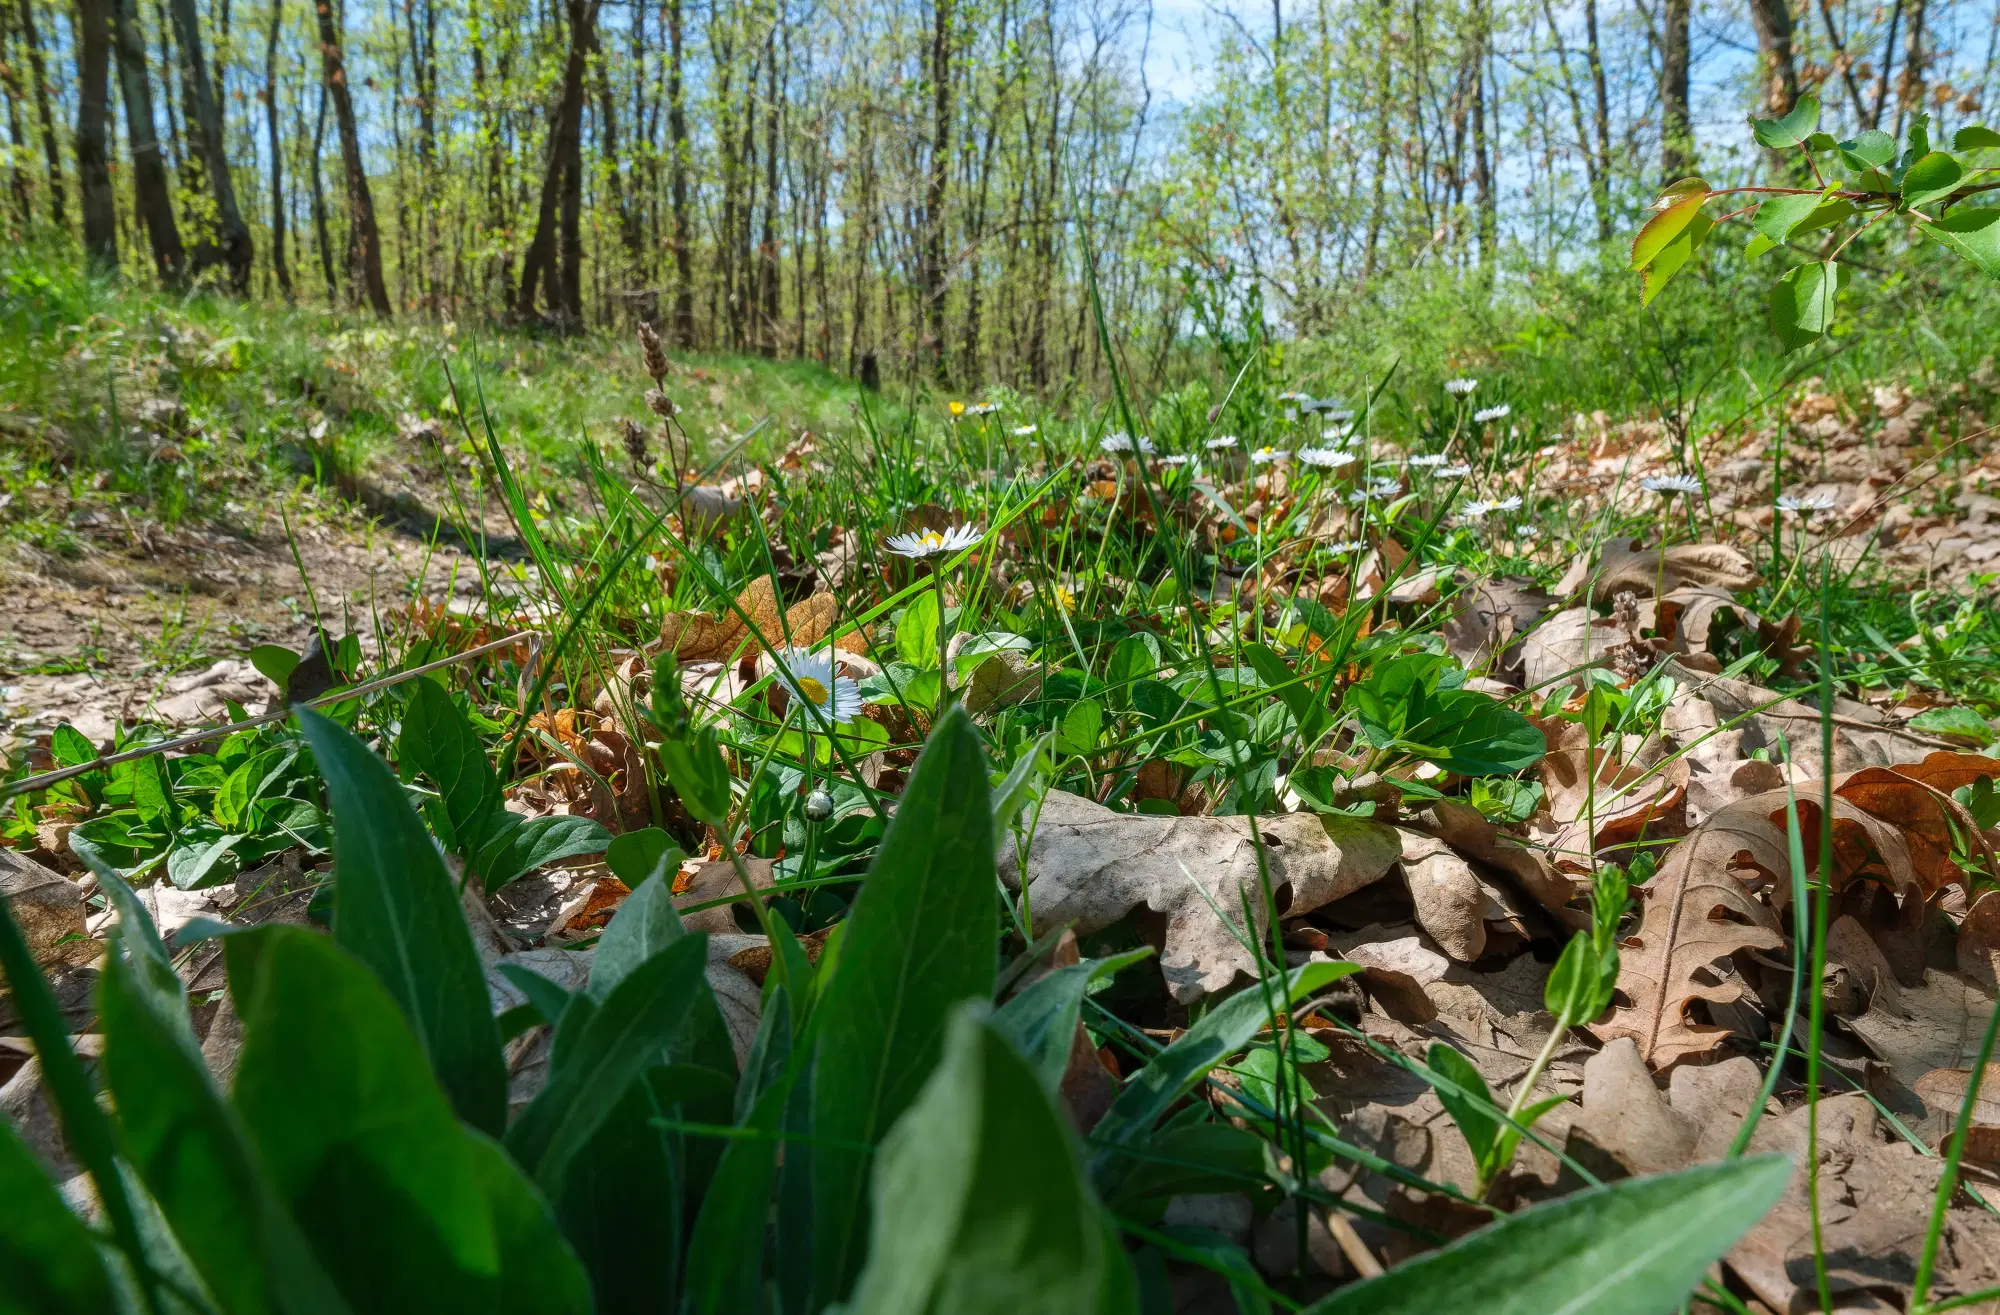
1943 1090
710 636
1892 825
49 907
1641 571
1090 866
1637 792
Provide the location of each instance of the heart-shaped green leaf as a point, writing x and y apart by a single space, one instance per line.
1790 129
1931 178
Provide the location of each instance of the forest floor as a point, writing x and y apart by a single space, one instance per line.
1654 612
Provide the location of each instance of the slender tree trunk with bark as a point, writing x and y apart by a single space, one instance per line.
1600 119
279 267
364 239
544 263
930 281
1676 124
1777 72
321 234
677 174
45 116
152 195
232 247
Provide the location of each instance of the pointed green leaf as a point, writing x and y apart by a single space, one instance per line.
920 938
438 741
1468 1102
1673 256
1681 204
1791 129
1972 232
645 924
513 846
1041 1020
604 1053
1637 1247
1975 137
980 1206
1873 149
397 911
1802 304
1931 178
47 1257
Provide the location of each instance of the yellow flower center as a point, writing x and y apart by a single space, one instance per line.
1065 599
932 539
813 690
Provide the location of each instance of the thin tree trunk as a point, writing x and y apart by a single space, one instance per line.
543 263
279 267
152 196
1482 163
767 246
930 283
1910 86
1676 125
51 148
233 247
24 205
364 239
1600 118
1888 62
1777 73
321 234
677 173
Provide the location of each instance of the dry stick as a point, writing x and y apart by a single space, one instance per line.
47 779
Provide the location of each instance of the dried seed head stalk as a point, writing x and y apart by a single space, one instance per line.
655 354
636 446
663 406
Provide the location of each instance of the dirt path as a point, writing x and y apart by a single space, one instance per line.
154 624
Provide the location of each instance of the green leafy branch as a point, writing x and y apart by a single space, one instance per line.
1933 191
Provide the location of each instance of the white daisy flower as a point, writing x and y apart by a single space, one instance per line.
1026 431
1176 459
810 678
1669 485
1805 504
1454 472
926 544
1300 398
1122 442
1346 546
1507 504
982 409
1376 488
1265 456
1340 416
1475 510
1218 444
1460 387
1326 457
1428 460
1337 433
1492 413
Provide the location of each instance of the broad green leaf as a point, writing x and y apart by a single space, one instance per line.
1475 734
152 790
396 910
355 1132
538 1270
48 1263
980 1206
602 1052
1081 726
1673 256
1958 722
1932 178
1873 149
195 1157
544 996
86 1127
1023 781
1135 656
248 783
644 925
636 855
1683 202
1222 1031
695 769
635 1177
917 632
513 846
1802 303
919 939
1784 217
194 862
1975 137
726 1252
1476 1121
1973 232
1637 1247
438 741
1041 1020
1790 130
274 662
1186 1159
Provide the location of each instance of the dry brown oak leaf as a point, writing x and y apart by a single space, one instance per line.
709 636
1640 571
1890 824
1090 866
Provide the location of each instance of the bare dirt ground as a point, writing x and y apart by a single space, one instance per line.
154 624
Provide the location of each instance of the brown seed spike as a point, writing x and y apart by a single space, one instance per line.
655 354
